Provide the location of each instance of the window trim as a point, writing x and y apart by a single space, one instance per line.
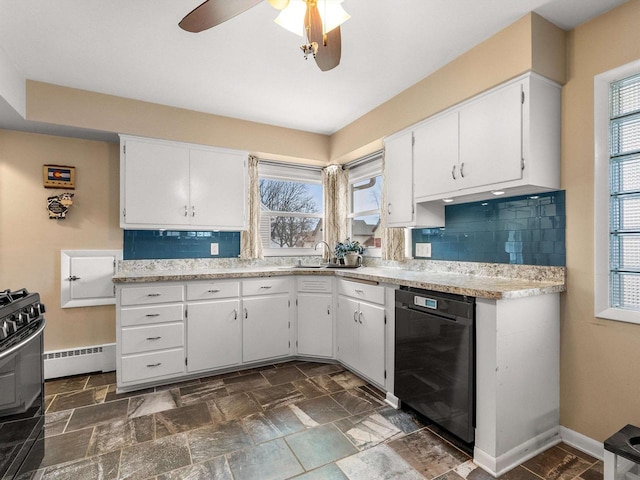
602 287
291 173
370 169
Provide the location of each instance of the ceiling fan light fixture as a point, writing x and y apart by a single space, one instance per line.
331 12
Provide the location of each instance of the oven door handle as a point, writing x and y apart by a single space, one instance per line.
24 342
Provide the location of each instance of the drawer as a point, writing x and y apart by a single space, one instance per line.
147 366
152 337
362 291
266 286
153 314
210 290
313 284
151 294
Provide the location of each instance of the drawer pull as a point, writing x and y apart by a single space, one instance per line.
355 316
152 315
360 318
213 291
266 287
153 365
246 313
235 313
328 309
360 291
154 338
153 294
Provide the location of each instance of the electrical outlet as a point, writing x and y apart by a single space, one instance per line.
214 249
423 250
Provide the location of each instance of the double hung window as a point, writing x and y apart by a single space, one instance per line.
291 209
365 197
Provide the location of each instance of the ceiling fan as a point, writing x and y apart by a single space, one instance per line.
317 20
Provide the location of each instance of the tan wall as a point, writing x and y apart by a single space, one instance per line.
79 108
531 43
30 243
600 376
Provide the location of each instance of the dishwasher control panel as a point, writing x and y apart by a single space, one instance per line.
425 302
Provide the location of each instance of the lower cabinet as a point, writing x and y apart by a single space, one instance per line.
214 335
361 330
266 324
315 316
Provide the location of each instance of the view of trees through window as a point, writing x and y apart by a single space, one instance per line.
291 213
365 211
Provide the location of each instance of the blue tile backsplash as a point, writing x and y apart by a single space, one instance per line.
526 230
158 244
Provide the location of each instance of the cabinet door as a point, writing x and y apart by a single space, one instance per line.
218 189
347 325
315 324
371 342
156 184
491 138
435 156
213 334
398 160
265 330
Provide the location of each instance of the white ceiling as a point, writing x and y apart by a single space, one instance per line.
249 67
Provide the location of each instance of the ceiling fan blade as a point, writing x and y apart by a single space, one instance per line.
329 46
330 51
214 12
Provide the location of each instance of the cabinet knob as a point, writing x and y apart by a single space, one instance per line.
193 211
453 172
266 287
186 210
235 313
462 169
153 294
246 313
360 318
355 316
213 291
73 278
388 209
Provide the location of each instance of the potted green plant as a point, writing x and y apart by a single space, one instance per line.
350 252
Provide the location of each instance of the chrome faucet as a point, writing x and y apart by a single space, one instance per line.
329 256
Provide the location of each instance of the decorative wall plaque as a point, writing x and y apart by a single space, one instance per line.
59 176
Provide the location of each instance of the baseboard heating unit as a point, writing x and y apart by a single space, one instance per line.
77 361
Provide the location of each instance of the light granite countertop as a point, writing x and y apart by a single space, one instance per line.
484 285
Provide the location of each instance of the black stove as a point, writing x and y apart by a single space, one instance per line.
22 325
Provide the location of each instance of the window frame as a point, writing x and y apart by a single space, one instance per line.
602 284
291 173
371 168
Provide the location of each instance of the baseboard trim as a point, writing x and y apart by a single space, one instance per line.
582 442
500 465
392 400
77 361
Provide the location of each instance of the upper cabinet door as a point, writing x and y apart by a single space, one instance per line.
491 138
398 161
435 156
218 188
155 183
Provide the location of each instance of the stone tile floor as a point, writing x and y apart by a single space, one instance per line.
300 420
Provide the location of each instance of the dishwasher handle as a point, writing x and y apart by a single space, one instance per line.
435 316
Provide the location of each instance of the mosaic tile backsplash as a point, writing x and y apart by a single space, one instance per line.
158 244
526 230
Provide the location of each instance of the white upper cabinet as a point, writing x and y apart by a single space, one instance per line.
505 139
491 138
398 179
435 156
181 186
400 207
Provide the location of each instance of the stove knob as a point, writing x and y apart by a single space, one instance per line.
3 331
23 318
12 326
39 308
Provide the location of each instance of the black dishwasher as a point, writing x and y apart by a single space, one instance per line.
435 357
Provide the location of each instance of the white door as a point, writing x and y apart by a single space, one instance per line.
265 329
213 334
371 342
90 277
347 325
315 324
218 189
398 168
491 138
156 184
435 157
